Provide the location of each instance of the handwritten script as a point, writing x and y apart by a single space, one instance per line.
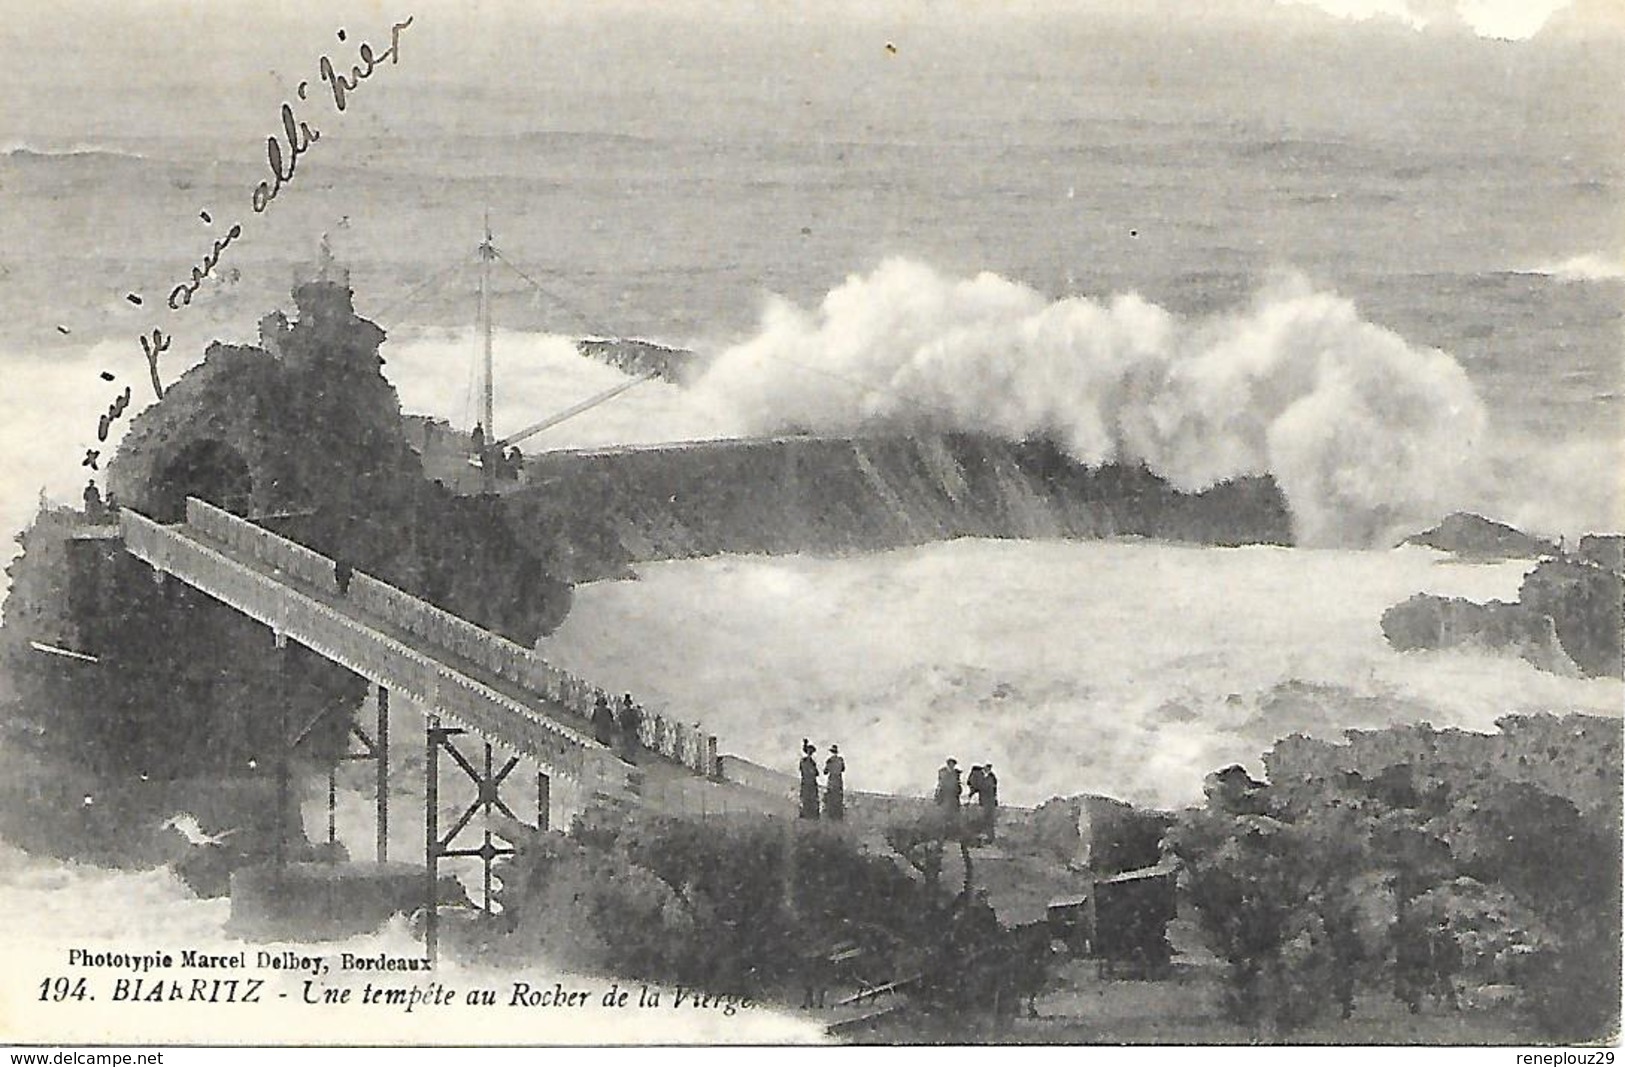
298 136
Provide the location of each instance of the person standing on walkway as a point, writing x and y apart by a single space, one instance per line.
603 721
835 785
94 509
630 722
948 785
809 781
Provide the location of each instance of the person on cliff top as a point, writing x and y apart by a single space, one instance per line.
835 785
973 783
630 720
603 721
809 781
948 785
988 797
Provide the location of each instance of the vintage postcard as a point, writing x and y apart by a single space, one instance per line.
1061 522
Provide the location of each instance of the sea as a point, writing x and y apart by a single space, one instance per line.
1385 266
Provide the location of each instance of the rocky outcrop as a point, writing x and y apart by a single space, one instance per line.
602 510
1585 603
1578 597
1475 537
304 434
1603 550
1433 622
1574 756
1106 835
638 358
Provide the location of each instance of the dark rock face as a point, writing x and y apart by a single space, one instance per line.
1432 622
603 510
1476 537
1580 597
304 434
1586 602
181 685
641 357
1603 550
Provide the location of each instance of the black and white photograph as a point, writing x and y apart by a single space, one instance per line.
912 522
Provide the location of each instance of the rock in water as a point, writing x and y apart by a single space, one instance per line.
1433 622
1585 602
1475 537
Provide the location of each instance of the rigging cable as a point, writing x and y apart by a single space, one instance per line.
559 300
395 305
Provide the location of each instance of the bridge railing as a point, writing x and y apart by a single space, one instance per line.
504 658
346 641
687 744
262 545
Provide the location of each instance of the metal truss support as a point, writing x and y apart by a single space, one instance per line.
487 778
373 747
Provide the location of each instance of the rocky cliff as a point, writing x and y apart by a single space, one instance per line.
302 433
1586 603
595 512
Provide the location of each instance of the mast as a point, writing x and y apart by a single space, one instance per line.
487 254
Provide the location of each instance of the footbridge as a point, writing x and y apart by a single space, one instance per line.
467 680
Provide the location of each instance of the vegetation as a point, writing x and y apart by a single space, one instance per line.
731 906
1423 875
758 906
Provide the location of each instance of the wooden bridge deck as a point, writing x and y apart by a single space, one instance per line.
292 601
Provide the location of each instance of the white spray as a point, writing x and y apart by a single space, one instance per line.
1368 436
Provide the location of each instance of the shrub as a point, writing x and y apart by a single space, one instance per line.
1429 870
729 905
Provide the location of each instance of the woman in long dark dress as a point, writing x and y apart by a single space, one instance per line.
835 785
603 721
809 782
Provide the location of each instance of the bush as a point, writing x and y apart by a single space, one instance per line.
730 906
1272 898
1432 871
590 910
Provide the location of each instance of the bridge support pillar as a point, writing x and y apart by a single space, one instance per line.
284 743
382 754
544 801
434 735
